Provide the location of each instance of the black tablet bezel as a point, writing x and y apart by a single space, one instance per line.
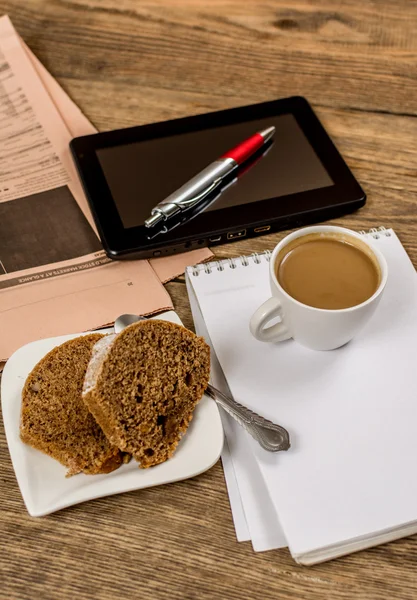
297 209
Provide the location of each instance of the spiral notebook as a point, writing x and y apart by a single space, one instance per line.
349 480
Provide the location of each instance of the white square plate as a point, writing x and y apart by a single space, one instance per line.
41 479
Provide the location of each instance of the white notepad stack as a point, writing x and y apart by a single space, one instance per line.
349 480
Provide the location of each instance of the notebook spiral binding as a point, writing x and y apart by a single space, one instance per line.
257 257
376 232
230 263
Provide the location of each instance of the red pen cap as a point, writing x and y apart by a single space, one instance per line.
245 149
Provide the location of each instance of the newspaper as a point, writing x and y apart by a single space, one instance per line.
54 275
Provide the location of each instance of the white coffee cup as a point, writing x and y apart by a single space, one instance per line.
316 328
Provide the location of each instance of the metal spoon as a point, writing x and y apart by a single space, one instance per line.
270 436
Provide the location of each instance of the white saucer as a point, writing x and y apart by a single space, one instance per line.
41 479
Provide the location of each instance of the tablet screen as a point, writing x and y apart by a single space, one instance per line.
141 174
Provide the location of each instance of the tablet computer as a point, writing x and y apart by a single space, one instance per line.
298 178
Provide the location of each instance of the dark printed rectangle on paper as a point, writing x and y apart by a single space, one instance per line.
43 228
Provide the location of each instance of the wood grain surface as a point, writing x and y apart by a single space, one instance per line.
127 62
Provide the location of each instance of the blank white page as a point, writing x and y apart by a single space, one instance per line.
254 515
351 413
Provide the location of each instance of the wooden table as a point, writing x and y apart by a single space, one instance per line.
127 62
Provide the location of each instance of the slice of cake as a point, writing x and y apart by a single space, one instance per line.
54 417
143 384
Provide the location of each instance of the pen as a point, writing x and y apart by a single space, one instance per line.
187 215
207 180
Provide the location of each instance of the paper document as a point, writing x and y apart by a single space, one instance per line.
54 275
348 481
254 515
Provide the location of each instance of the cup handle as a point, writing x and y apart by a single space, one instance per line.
275 333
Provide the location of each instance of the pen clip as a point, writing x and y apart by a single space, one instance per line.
201 195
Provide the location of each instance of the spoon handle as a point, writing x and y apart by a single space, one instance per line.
270 436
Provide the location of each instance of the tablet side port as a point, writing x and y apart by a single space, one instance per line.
262 229
235 235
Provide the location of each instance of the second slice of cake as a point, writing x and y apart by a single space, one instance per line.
143 384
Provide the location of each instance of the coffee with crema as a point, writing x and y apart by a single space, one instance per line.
328 271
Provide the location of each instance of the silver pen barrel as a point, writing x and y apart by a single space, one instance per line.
193 191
